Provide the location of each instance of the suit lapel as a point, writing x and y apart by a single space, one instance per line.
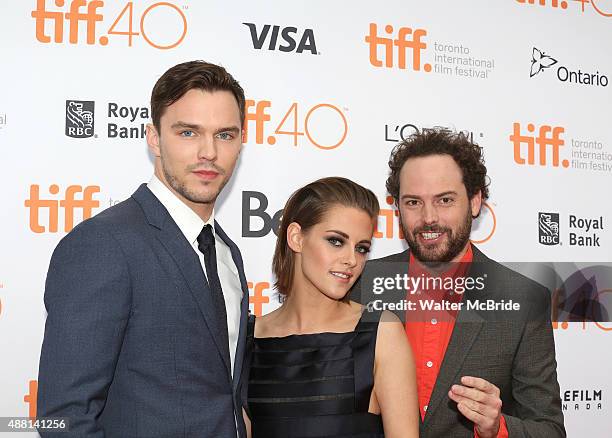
170 236
244 304
467 327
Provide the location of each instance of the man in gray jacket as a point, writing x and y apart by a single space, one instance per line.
480 373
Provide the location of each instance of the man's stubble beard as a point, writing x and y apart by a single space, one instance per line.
191 195
456 242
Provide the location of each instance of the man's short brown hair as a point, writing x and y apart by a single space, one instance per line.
181 78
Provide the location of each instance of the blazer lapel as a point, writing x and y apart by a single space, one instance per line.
244 304
467 327
170 236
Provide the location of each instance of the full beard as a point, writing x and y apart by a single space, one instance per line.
446 252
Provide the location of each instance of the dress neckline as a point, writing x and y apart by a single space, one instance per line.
301 335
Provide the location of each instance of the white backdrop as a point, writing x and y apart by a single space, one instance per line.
341 85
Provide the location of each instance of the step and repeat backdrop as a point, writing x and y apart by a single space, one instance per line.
331 88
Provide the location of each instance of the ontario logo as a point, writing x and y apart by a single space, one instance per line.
80 118
540 62
548 224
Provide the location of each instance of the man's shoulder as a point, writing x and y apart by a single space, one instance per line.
508 281
126 213
122 219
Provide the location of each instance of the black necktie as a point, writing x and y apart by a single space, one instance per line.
206 244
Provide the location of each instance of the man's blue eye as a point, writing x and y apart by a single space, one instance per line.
225 136
187 133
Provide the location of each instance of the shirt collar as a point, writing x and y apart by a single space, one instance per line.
187 220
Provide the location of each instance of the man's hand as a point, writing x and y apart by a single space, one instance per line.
478 400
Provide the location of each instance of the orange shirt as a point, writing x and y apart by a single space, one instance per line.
429 332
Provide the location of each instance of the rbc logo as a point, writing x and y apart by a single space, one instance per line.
306 41
80 118
549 228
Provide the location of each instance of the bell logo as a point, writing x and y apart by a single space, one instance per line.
41 15
548 139
79 118
402 43
87 203
288 36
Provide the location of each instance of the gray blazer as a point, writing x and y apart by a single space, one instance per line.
132 347
516 354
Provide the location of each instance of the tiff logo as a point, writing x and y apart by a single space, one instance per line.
73 17
553 3
87 203
79 118
288 36
549 140
549 228
402 43
258 299
259 116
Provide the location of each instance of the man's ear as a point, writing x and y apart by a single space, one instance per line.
476 204
153 140
295 238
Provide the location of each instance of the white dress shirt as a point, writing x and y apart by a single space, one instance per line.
191 225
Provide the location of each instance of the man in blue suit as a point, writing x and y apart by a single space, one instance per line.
147 302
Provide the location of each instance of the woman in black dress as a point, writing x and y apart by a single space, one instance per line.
320 365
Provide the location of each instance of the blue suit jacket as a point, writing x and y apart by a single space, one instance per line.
132 347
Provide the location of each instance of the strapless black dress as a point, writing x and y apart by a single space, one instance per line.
318 385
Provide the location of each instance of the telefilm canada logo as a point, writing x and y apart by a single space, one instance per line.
541 61
80 118
582 399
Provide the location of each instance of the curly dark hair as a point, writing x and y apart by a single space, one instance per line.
441 141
